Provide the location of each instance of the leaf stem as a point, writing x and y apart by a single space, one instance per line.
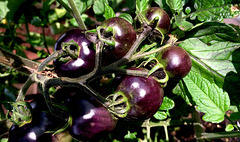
138 56
77 15
63 4
232 122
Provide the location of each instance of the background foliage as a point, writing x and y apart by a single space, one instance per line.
212 86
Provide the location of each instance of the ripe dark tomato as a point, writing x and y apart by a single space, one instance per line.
176 61
162 23
144 94
41 122
121 33
85 61
90 120
35 131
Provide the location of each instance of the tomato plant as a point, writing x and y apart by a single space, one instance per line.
131 70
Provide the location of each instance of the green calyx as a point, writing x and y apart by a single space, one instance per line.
21 113
71 48
157 72
119 104
106 35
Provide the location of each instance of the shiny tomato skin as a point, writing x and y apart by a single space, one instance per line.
163 20
90 120
176 61
144 94
124 36
86 60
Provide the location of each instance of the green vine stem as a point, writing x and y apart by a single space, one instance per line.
148 130
219 135
54 55
63 4
234 124
138 56
166 132
23 90
76 14
18 63
198 127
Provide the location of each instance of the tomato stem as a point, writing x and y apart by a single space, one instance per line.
63 4
77 15
138 56
23 90
54 55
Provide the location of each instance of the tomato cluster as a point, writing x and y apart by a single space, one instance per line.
135 97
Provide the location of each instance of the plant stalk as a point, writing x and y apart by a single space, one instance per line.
138 56
166 132
219 135
54 55
63 4
77 15
27 84
234 124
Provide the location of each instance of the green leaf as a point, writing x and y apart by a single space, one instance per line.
183 24
232 85
182 90
56 14
167 104
210 46
160 115
209 10
3 8
12 10
235 116
127 17
159 2
108 13
4 140
5 74
99 7
188 10
141 5
130 136
175 5
209 98
131 4
82 5
229 128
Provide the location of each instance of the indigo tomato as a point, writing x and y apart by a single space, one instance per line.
86 57
145 96
158 18
119 36
176 61
35 131
42 121
90 120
